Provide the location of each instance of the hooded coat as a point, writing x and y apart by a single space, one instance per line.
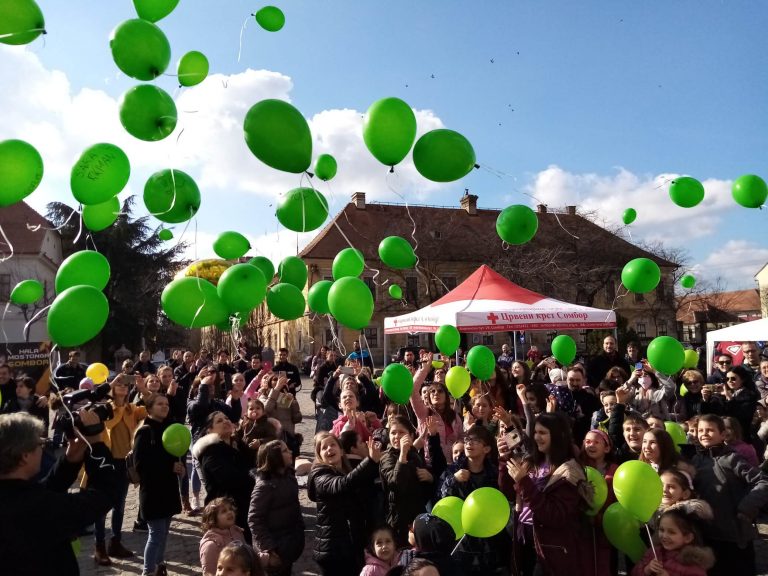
376 567
159 484
688 561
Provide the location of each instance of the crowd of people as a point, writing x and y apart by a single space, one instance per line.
380 467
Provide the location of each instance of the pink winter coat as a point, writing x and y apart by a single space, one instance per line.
375 567
212 543
688 561
449 433
360 427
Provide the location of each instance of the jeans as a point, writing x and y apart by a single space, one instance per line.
184 480
155 548
121 488
196 477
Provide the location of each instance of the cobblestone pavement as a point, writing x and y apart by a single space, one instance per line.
183 542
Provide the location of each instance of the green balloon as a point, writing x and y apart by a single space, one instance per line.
623 531
749 191
231 245
192 68
171 196
443 156
457 380
397 383
666 354
691 359
100 173
447 339
517 224
395 291
640 275
389 130
317 297
21 21
97 217
176 439
449 509
481 363
21 170
325 167
485 513
140 49
397 253
154 10
348 262
292 270
193 303
147 113
600 486
302 210
87 267
629 216
27 292
351 302
686 192
77 315
165 234
677 433
278 135
271 18
265 265
286 301
688 281
564 349
242 287
638 489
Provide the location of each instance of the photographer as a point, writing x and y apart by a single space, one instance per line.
44 514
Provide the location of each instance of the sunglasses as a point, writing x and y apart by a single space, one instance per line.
723 361
731 379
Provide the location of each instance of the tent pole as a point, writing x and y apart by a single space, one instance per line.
514 340
386 346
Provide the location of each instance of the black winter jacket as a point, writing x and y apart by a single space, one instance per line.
203 405
275 516
159 485
406 495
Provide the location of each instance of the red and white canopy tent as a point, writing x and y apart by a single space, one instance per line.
488 302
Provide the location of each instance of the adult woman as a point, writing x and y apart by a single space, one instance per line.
225 466
405 479
335 486
275 516
118 437
521 372
283 406
318 360
741 398
158 488
554 491
651 392
689 405
26 401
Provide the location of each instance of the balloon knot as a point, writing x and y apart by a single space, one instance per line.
477 166
392 169
309 174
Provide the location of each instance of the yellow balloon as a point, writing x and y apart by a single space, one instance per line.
97 372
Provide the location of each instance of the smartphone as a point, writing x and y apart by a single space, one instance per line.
282 374
347 370
638 366
513 439
438 357
129 379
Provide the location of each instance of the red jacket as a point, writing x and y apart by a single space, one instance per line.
688 561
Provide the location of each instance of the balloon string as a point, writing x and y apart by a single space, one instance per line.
563 227
8 243
370 355
79 227
335 340
12 34
408 211
37 227
2 324
613 304
242 30
186 226
31 321
458 544
650 540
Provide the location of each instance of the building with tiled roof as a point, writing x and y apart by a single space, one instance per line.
699 315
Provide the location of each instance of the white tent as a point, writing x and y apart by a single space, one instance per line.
754 331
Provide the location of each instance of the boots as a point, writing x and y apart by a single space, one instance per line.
161 570
186 508
100 556
117 550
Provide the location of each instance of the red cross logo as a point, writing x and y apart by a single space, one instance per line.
492 317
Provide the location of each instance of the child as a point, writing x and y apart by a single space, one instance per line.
457 450
626 429
482 413
600 418
238 560
432 539
218 523
381 554
677 487
679 547
658 449
734 437
655 423
256 428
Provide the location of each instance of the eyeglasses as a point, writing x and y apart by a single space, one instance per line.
472 440
723 361
689 382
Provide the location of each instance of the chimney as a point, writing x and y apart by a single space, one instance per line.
358 199
571 210
469 203
541 208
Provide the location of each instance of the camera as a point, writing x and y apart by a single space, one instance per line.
91 400
516 442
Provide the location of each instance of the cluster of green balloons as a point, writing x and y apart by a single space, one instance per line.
231 245
564 349
270 18
21 169
21 21
397 383
302 210
397 253
641 275
171 196
278 135
27 292
666 354
481 362
80 309
517 224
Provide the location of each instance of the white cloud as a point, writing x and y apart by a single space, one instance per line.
736 262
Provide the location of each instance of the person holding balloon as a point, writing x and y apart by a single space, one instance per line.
555 493
158 470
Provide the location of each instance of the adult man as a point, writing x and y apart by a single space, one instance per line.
360 356
505 359
586 401
633 353
144 366
69 374
45 510
241 361
751 358
7 384
720 368
267 357
225 370
291 371
186 372
409 358
607 359
254 370
323 372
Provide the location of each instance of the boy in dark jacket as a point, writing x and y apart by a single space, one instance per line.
433 539
626 429
736 492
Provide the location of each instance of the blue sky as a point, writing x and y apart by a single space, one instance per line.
597 104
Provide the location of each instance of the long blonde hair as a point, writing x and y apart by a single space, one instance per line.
320 437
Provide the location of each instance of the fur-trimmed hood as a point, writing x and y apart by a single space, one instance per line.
205 442
700 556
573 473
695 507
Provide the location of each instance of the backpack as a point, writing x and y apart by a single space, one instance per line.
130 463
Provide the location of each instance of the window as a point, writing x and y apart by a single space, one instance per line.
661 291
328 278
371 286
640 329
487 340
639 297
436 234
414 340
372 337
551 336
662 328
690 333
412 289
5 287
